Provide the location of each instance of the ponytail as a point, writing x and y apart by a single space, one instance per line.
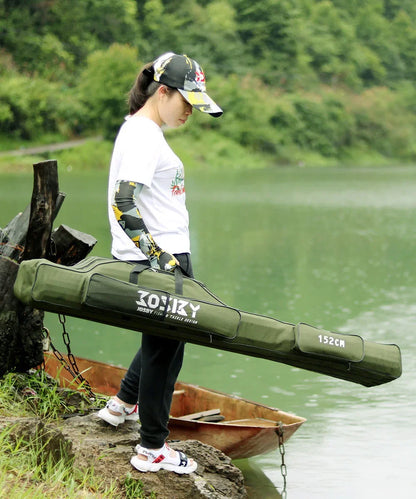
143 88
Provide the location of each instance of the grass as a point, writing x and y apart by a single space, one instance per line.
29 466
92 156
28 470
213 151
38 394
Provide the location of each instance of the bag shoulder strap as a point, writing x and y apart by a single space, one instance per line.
178 281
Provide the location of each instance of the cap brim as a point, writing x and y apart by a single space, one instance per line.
202 102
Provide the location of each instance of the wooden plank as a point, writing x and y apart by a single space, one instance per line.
252 422
176 393
216 418
198 415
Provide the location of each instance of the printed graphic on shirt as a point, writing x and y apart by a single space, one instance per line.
178 184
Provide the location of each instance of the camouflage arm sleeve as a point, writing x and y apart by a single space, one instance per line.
129 218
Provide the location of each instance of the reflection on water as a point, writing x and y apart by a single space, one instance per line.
258 485
333 248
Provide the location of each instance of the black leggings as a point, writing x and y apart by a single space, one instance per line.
151 377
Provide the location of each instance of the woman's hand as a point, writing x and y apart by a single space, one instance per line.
167 261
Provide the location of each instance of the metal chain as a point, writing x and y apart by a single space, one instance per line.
283 468
48 342
71 364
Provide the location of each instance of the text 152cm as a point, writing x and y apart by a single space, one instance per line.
330 340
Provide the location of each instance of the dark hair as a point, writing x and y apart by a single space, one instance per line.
143 88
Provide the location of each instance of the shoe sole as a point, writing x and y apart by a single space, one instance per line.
104 417
145 466
115 420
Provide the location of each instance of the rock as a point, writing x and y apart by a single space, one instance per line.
92 442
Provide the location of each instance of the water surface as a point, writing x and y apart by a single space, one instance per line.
334 248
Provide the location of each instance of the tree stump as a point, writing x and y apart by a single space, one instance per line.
69 246
28 236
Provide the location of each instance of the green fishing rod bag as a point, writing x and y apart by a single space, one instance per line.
172 305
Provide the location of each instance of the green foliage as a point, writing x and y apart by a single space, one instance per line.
53 38
204 30
93 155
210 149
32 106
322 125
385 122
134 488
247 104
36 394
295 77
105 82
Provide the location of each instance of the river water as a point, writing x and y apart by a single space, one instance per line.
335 248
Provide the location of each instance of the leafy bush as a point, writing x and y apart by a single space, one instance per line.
248 106
385 122
104 86
32 106
322 125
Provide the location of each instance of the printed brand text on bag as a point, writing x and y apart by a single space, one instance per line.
176 308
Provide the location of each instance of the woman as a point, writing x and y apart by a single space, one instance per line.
149 224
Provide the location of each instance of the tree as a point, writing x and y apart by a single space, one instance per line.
52 38
264 28
105 83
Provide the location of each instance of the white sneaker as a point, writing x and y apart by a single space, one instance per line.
123 415
162 460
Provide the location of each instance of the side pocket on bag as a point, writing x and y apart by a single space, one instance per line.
114 297
309 339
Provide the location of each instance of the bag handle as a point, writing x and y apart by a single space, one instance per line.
137 269
178 273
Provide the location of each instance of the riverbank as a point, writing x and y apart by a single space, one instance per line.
95 459
48 148
76 454
213 151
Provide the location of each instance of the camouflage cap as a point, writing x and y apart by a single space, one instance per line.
186 75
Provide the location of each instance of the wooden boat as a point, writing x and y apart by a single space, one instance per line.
238 427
